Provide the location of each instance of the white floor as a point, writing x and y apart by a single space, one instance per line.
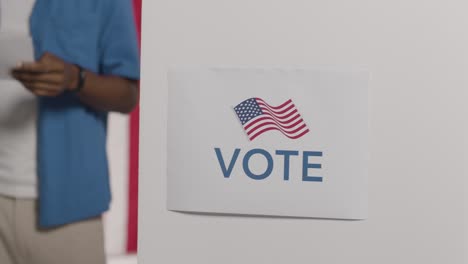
122 260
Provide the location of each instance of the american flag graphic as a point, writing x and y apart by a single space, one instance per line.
258 117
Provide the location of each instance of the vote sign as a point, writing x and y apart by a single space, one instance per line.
280 142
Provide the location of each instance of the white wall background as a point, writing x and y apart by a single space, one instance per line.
417 51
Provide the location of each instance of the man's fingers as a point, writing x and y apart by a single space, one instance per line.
53 78
40 67
43 89
46 64
34 67
41 86
46 77
47 93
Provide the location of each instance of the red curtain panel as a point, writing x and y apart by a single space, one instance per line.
132 231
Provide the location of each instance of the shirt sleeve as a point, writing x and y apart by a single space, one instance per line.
118 42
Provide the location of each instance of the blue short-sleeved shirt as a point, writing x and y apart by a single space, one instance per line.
100 36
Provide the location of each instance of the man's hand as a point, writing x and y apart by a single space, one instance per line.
50 76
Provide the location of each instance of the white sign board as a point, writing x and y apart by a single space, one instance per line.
280 142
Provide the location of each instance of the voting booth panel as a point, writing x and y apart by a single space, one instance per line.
415 52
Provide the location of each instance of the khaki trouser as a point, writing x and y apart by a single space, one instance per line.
22 242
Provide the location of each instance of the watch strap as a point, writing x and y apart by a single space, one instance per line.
81 79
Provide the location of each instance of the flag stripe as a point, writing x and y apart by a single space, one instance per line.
275 128
279 112
262 118
286 132
269 119
278 117
293 126
251 122
274 107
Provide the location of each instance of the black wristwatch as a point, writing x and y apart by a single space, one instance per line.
81 79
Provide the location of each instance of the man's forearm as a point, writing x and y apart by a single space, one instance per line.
107 93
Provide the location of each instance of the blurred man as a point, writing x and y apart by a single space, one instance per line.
54 182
